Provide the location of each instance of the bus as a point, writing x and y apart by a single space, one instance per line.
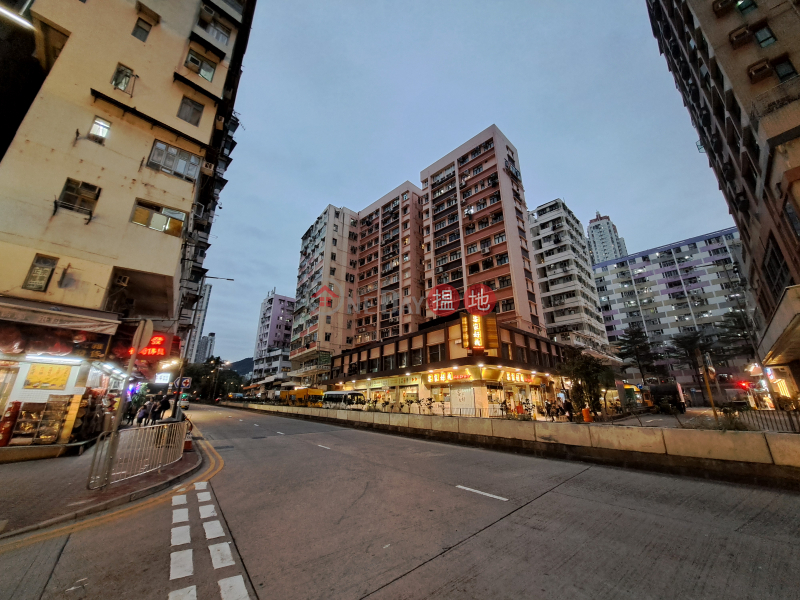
343 399
301 396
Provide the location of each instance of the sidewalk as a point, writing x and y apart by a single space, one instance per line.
35 491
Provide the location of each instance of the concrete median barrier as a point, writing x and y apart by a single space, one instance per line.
381 419
419 421
570 434
398 420
632 439
745 446
514 430
448 424
475 426
785 448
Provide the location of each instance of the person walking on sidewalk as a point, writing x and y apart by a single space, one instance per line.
155 409
141 416
163 406
130 413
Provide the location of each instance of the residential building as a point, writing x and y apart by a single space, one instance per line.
198 323
323 310
390 274
567 293
604 241
109 186
205 348
672 289
271 363
474 216
735 64
273 370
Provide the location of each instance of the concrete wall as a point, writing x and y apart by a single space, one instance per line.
634 446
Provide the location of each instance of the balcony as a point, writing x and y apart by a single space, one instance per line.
775 99
513 171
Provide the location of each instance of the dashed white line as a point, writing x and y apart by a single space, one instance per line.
256 424
213 530
461 487
207 510
204 496
321 446
180 564
189 593
180 515
178 500
279 433
201 485
181 535
233 588
221 555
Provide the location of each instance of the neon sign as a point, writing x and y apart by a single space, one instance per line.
515 377
157 347
447 376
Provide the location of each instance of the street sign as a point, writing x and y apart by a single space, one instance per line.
186 382
162 378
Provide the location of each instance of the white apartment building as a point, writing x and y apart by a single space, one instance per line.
326 280
604 241
567 294
198 322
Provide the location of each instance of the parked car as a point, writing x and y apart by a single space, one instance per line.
184 403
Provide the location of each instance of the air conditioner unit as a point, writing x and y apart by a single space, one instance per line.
193 63
759 71
207 168
720 7
206 14
740 37
220 122
486 250
121 280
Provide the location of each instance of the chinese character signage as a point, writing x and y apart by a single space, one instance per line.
512 377
47 377
480 300
479 332
157 348
162 378
447 377
443 300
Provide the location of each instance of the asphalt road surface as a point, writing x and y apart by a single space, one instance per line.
305 510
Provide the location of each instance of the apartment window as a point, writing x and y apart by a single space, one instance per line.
490 284
333 256
521 353
40 274
506 305
190 111
504 281
79 196
500 238
160 218
791 217
455 255
487 263
123 79
328 320
436 353
402 360
764 36
328 337
406 241
441 260
487 243
416 357
469 229
99 131
201 66
174 161
746 6
477 170
776 272
472 248
333 241
406 291
453 237
784 69
502 259
333 271
218 31
141 30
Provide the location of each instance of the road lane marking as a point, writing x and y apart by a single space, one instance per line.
461 487
279 433
180 515
189 593
321 446
178 500
221 555
181 535
201 485
180 564
256 424
213 530
204 496
207 510
233 588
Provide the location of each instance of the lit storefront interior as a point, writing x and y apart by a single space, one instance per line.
464 364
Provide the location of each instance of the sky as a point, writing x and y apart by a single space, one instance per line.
343 100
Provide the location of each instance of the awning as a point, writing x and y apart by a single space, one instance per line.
57 315
780 343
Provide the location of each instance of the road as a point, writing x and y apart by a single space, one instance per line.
307 510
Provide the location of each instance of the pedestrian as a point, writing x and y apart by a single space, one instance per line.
130 413
155 409
163 406
147 406
141 416
568 409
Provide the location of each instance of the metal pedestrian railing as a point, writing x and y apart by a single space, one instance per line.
785 421
135 451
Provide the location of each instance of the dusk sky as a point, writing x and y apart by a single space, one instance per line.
342 101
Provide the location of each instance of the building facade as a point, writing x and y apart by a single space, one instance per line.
567 294
672 289
110 183
198 323
205 348
604 240
436 369
323 310
271 363
735 64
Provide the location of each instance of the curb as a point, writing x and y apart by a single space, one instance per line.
112 502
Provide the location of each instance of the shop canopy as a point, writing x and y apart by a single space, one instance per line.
57 315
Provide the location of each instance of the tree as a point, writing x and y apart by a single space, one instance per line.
634 346
587 374
733 339
683 349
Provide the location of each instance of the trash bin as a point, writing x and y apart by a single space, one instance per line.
587 415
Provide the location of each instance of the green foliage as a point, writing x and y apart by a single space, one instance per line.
588 375
140 398
634 346
206 376
732 336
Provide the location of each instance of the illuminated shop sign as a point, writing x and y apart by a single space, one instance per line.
479 332
447 376
158 346
515 377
